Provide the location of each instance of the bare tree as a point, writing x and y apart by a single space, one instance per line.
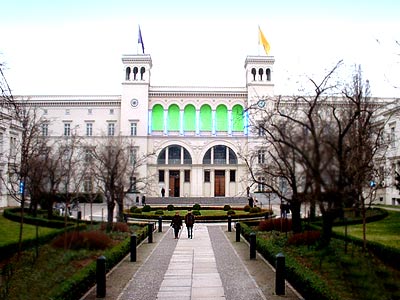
314 141
116 164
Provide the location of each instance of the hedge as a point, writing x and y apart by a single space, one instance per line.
77 285
304 280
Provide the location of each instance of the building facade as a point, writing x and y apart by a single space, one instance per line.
199 135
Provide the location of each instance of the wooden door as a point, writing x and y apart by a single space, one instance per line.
219 183
174 184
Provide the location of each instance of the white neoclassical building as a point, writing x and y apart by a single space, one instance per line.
198 134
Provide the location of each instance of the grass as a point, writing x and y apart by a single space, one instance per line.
203 212
9 231
352 275
386 231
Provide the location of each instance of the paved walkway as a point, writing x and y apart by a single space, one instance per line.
210 266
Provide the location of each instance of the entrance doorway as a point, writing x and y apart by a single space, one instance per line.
174 180
219 183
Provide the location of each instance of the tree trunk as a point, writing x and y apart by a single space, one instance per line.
327 224
295 207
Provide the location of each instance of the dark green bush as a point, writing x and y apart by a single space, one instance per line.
133 208
246 208
146 208
159 212
196 213
255 210
170 207
227 207
196 206
138 211
231 212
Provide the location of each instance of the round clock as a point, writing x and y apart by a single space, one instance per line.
261 103
134 102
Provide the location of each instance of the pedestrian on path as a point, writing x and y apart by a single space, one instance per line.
189 221
176 223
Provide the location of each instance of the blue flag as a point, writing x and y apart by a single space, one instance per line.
140 39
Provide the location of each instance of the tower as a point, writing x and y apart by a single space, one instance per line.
135 94
259 79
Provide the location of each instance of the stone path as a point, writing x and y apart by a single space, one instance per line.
210 266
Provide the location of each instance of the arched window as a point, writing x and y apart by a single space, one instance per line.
128 73
268 73
254 72
189 118
221 155
142 70
174 156
237 118
221 118
135 72
173 118
260 72
157 118
205 118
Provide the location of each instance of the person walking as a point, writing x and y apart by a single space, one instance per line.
189 221
176 223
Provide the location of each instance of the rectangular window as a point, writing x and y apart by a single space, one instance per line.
206 175
261 131
88 155
67 111
45 129
111 111
88 185
232 175
393 136
13 146
161 175
1 143
89 111
67 129
132 184
133 129
261 185
89 129
133 156
261 156
111 129
187 175
45 112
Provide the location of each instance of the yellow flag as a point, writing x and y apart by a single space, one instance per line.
262 40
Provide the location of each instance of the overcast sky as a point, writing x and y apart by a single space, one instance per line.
75 46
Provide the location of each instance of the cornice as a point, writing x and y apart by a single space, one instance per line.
70 100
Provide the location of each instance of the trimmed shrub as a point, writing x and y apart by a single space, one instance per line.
146 208
227 207
118 227
255 210
231 212
170 207
305 238
133 208
159 212
246 208
196 206
138 210
196 213
83 240
278 224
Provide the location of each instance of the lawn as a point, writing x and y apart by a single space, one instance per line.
386 231
204 212
9 231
